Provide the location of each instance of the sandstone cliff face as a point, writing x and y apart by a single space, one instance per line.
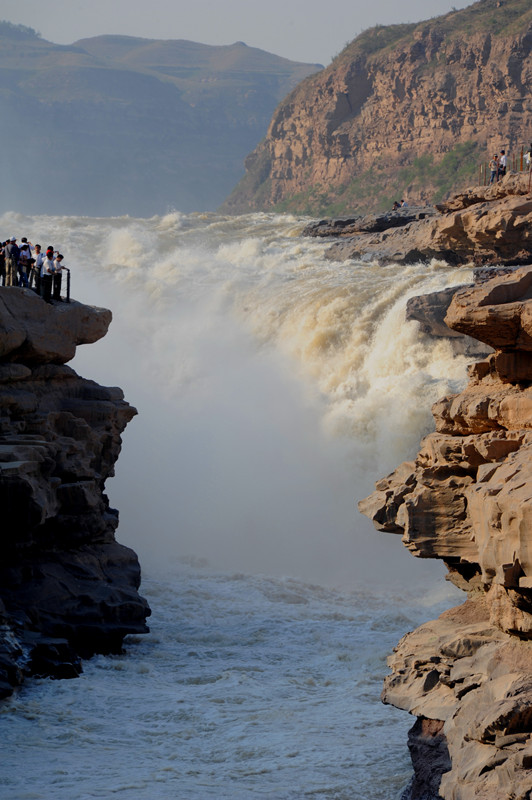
467 499
67 588
404 110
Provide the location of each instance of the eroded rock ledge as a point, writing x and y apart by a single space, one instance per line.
467 499
484 225
67 588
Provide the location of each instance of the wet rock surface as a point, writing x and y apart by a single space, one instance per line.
370 223
467 499
67 588
489 225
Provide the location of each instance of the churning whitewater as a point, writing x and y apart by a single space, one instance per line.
273 388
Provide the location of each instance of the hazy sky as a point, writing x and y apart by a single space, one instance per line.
302 30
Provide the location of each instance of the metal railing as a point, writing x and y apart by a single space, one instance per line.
34 282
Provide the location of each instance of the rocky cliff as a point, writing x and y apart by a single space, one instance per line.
404 111
484 225
467 499
67 588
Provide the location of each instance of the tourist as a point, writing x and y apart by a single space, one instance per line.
24 262
502 165
11 255
403 204
37 266
47 272
58 266
2 264
493 168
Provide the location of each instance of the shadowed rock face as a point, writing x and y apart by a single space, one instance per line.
67 588
467 499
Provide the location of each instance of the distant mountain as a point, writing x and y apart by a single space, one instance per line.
404 111
121 125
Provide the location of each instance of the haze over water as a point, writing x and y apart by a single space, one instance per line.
273 389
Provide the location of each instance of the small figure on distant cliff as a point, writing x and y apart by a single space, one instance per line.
396 205
24 263
58 266
493 168
47 272
2 263
528 157
403 204
11 255
502 165
38 258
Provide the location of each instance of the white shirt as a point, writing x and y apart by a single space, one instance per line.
47 267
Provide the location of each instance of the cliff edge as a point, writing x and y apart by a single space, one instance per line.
467 499
67 588
404 111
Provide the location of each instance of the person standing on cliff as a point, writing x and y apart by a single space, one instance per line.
37 266
47 272
2 263
502 165
58 266
24 263
494 168
12 253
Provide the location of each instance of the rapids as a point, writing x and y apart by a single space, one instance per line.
273 388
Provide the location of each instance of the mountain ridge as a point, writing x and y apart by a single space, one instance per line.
125 125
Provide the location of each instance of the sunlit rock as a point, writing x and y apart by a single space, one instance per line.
467 499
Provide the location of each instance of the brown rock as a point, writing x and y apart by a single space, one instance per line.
402 110
467 499
496 312
67 588
34 332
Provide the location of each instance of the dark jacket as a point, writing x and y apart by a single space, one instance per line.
12 251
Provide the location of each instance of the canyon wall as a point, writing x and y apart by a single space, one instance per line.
404 111
67 588
467 500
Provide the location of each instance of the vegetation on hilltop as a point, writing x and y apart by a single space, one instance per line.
12 31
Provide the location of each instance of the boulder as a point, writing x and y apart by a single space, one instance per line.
35 332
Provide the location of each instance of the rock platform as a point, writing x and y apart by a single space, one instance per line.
485 225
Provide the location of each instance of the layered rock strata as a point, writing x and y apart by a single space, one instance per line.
405 110
67 588
467 499
483 225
